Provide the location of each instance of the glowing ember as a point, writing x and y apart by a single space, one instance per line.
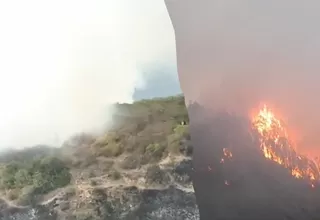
227 153
276 145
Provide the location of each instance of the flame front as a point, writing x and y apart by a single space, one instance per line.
276 145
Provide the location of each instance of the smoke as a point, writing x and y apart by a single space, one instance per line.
232 57
237 55
63 63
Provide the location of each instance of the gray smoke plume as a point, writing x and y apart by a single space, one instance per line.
238 55
63 63
232 57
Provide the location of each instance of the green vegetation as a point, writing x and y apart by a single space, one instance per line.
40 176
143 133
148 128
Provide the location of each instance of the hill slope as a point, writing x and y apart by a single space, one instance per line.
139 169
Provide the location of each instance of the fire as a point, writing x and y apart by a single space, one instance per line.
277 146
227 153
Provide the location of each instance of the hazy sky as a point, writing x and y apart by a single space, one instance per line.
62 62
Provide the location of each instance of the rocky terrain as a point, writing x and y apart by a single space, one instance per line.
139 169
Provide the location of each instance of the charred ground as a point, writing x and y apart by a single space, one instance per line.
246 185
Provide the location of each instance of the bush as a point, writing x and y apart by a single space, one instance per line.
155 175
153 153
111 150
108 146
182 171
69 192
93 183
50 173
155 150
182 130
177 140
131 162
115 175
173 144
8 180
43 175
186 148
28 196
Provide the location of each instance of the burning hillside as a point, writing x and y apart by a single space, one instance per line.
277 146
252 168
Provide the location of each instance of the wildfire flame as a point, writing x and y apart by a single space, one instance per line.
276 145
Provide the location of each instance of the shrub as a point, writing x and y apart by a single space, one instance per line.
153 153
108 146
155 175
50 173
43 175
182 171
93 183
111 150
186 149
69 192
182 130
28 196
131 162
155 150
173 144
115 175
175 140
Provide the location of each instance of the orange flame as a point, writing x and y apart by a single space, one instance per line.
276 145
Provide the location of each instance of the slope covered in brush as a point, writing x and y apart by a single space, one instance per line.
145 153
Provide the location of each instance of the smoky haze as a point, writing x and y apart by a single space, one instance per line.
234 56
63 63
240 54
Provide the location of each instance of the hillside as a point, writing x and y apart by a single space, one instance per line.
138 169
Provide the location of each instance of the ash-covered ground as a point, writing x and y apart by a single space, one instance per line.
246 185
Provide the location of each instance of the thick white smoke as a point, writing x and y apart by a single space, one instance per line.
62 63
